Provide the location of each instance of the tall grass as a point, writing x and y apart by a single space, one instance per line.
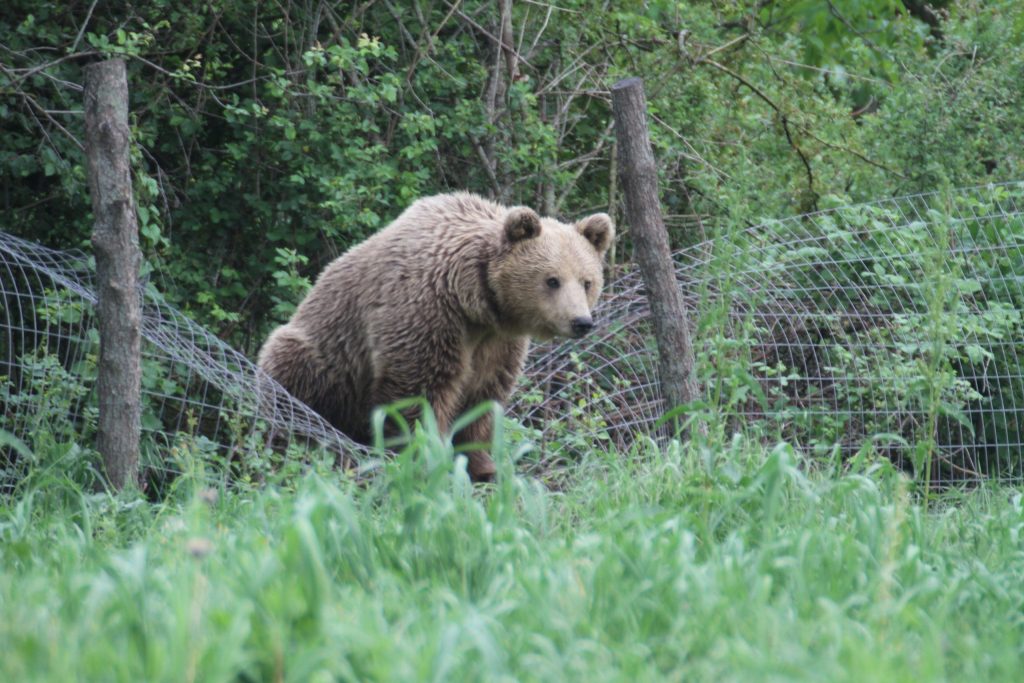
684 563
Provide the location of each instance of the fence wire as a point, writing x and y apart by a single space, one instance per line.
892 327
199 394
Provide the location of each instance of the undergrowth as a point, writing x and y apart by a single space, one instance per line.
687 562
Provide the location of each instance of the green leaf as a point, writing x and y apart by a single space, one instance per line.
11 441
968 286
977 354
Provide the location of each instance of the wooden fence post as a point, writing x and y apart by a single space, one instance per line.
116 244
638 177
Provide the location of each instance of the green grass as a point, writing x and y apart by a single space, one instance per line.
736 564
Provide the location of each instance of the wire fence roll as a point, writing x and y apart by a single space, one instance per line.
200 396
891 328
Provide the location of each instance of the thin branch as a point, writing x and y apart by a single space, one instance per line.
497 41
496 186
577 63
783 117
695 155
549 6
726 46
85 23
20 75
46 114
540 33
852 152
431 37
584 162
821 70
860 34
199 84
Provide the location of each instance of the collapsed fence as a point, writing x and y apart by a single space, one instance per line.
891 327
197 390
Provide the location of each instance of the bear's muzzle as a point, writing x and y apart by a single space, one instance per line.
580 326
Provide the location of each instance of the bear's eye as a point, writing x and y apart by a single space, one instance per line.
586 285
553 283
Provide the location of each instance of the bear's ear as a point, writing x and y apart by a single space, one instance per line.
521 223
598 230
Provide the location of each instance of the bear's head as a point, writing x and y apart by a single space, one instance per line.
548 275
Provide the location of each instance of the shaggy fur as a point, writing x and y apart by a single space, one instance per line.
440 304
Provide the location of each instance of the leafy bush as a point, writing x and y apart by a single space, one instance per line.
896 321
260 128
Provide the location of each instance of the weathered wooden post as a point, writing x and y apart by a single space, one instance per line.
638 177
116 244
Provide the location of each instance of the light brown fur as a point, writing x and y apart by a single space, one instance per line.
440 304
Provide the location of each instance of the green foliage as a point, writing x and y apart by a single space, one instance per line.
55 416
848 35
731 564
292 286
902 323
268 138
261 128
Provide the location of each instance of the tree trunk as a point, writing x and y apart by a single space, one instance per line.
508 40
116 244
638 177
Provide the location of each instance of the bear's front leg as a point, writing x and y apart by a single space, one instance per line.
439 392
423 364
496 366
480 465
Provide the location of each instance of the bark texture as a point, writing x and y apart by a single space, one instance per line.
116 245
638 177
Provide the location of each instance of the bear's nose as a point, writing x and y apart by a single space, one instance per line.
580 326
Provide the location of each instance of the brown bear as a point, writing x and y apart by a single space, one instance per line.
441 304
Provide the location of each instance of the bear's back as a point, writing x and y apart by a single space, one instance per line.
413 256
414 269
435 228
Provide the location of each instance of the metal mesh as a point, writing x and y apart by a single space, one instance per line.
197 391
892 327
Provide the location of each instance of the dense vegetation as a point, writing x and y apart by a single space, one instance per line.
735 564
271 136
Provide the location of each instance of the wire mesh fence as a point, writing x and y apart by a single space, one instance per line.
196 389
892 327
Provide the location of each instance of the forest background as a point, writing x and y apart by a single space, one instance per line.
271 136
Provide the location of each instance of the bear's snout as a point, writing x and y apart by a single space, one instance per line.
580 326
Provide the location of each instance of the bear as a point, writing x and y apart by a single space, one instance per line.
440 304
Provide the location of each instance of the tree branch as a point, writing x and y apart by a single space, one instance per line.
783 117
